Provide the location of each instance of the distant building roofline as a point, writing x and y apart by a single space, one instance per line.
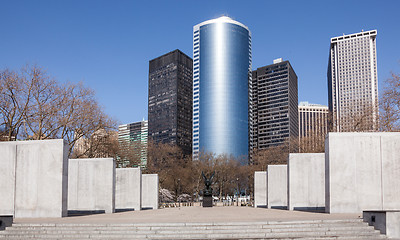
307 104
354 35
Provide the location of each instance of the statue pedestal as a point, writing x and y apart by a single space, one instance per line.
207 201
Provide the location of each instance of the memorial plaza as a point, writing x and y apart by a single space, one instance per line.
349 192
195 214
196 222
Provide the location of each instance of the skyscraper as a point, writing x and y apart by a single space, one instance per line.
274 105
313 126
132 138
353 82
170 100
221 75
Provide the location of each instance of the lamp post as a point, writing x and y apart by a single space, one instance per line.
237 194
179 191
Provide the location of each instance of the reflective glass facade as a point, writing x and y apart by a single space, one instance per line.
221 75
133 137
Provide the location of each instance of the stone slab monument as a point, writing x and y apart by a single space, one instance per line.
7 178
277 186
149 191
207 192
91 185
306 181
34 178
260 189
362 172
128 189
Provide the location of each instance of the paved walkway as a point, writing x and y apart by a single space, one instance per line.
194 214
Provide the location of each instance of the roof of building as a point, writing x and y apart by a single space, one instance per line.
223 19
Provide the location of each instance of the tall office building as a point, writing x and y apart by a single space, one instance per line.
221 75
353 82
170 100
132 138
274 105
313 126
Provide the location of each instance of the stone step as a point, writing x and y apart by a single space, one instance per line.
314 229
121 228
194 231
207 236
185 229
182 237
307 232
198 226
190 224
201 236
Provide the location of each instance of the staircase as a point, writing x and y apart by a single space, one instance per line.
315 229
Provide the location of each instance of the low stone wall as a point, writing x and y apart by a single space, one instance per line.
387 222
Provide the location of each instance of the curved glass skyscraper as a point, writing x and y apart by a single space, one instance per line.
221 77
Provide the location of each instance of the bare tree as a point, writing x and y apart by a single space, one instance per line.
180 175
131 153
3 134
101 144
15 95
40 118
173 167
360 118
46 109
68 111
314 142
276 154
390 105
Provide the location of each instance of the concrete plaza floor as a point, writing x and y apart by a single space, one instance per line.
194 214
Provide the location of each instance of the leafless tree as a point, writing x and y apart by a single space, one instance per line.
173 167
360 118
101 144
275 155
33 105
179 174
390 105
15 95
131 152
314 142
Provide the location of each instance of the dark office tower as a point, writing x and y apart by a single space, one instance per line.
170 100
274 105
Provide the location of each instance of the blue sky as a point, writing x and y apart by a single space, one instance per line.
108 44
